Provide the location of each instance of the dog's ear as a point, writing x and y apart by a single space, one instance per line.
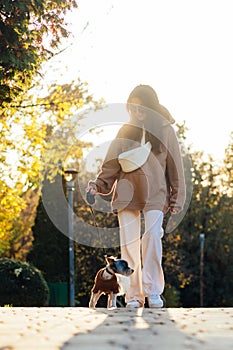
109 259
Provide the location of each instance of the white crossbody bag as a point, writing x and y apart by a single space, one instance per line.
135 158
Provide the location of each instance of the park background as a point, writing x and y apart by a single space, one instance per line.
51 71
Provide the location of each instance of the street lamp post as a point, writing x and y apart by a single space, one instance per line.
70 175
202 240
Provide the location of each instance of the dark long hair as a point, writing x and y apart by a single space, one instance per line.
156 115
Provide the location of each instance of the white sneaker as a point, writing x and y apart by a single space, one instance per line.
133 304
155 301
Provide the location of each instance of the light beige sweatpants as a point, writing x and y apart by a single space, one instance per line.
144 254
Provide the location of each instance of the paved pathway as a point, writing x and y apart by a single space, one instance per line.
139 329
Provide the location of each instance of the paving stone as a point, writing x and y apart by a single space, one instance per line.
66 328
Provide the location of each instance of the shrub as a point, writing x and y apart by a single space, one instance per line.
22 284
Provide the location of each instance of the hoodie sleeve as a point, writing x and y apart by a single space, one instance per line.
110 169
175 173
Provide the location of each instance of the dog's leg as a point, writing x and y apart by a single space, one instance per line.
110 296
94 299
112 300
91 302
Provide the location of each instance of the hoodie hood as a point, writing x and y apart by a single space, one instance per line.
166 114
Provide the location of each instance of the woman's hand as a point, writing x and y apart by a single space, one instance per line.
90 194
91 188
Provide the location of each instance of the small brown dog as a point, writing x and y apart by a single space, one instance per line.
106 281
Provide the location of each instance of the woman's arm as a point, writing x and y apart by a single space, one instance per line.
175 173
110 170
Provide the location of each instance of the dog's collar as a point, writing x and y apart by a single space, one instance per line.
108 271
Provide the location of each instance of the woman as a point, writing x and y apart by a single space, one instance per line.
151 190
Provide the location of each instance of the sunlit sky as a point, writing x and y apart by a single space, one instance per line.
182 48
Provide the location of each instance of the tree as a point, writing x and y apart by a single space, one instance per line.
26 134
19 238
210 213
11 206
30 33
49 252
219 252
227 174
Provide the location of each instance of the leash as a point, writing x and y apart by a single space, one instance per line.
91 200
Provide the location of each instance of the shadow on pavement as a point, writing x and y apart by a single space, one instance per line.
131 329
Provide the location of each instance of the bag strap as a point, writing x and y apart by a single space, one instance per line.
143 140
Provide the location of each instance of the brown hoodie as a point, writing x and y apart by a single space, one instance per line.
158 185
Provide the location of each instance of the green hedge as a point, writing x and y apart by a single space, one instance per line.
22 284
